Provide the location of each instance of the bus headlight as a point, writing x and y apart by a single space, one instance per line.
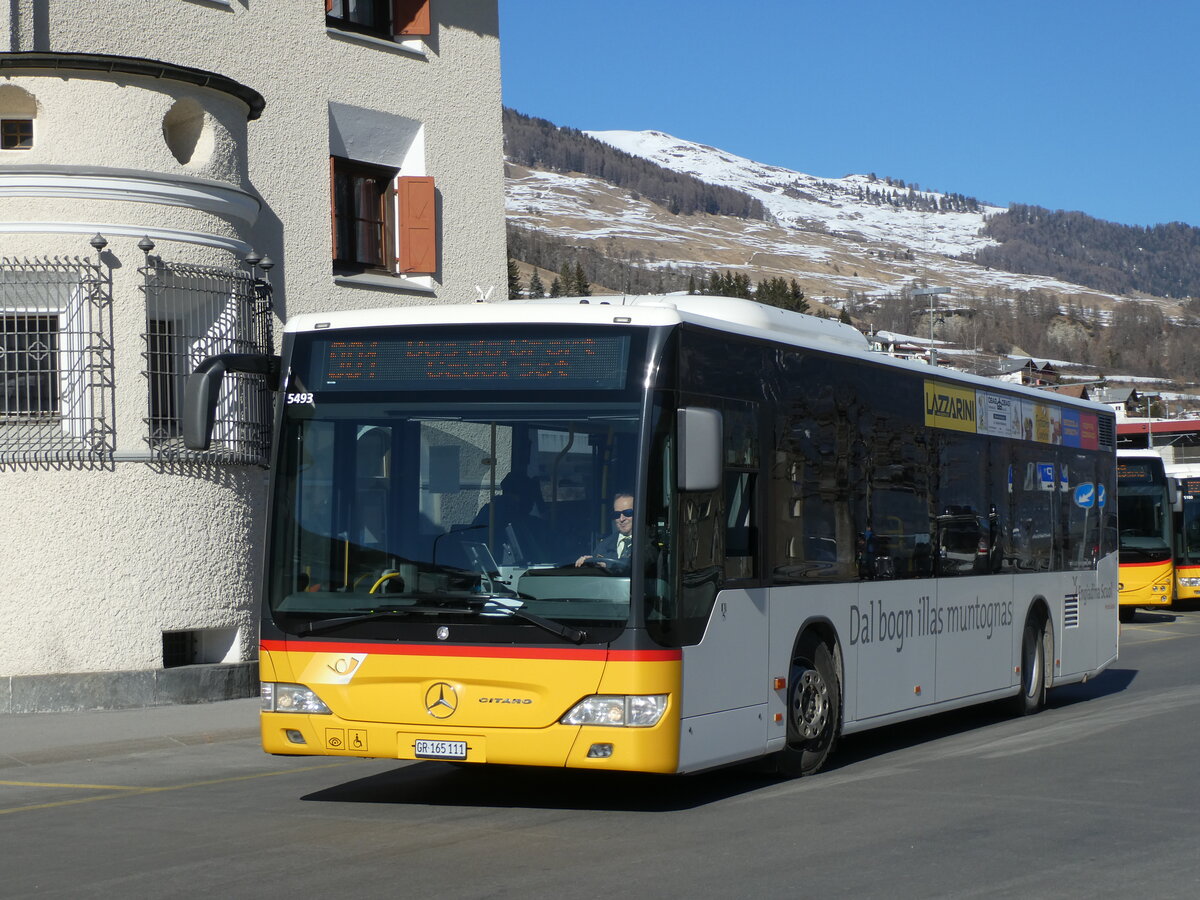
1190 582
625 710
291 698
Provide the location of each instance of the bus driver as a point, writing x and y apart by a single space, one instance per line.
613 552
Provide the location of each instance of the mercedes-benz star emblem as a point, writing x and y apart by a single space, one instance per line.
441 700
443 632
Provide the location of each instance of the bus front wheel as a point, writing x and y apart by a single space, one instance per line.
814 709
1033 668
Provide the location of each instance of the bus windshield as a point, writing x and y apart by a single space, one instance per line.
429 511
1189 531
1145 518
454 476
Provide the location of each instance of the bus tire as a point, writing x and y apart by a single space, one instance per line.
814 711
1032 696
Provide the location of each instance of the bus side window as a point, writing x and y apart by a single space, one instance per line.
702 557
741 430
741 533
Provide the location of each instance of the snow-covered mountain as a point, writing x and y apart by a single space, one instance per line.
820 231
803 201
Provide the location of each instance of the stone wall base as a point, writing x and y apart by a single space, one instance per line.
128 690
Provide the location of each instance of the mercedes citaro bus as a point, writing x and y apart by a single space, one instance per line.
825 539
1145 500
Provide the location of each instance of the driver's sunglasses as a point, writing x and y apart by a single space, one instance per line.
624 513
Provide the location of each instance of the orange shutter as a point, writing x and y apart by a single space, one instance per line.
328 5
410 17
417 204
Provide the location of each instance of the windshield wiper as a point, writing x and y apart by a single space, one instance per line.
476 608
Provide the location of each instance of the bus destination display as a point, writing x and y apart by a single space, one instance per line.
1131 472
387 364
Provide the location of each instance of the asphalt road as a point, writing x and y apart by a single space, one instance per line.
1094 797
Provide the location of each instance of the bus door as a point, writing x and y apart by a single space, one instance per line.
725 679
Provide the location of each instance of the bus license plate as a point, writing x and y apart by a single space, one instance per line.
440 749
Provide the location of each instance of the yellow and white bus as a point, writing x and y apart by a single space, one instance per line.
1187 533
825 539
1145 497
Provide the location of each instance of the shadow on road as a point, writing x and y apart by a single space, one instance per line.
440 784
881 741
1146 617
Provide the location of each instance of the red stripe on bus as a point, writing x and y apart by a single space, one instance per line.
1165 562
475 651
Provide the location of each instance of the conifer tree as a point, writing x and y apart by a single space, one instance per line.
537 290
556 288
566 280
796 297
514 280
582 288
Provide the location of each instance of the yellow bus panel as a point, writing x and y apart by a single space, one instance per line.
1187 583
503 703
1146 584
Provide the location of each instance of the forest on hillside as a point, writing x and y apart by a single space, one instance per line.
617 268
1163 260
541 144
608 263
894 192
1132 338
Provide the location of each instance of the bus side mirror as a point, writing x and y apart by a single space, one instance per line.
699 449
1174 496
203 387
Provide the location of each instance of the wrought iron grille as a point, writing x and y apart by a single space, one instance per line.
56 362
193 312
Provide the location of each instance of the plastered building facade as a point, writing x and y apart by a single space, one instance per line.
177 177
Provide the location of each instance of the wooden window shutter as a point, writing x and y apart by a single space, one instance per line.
417 207
410 17
328 5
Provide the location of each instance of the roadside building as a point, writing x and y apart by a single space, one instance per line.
177 177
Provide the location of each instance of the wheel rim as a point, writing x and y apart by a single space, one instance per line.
810 705
1033 666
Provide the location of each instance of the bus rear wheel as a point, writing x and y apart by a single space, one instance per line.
1033 668
814 710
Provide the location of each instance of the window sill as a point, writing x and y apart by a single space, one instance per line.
227 4
420 283
414 48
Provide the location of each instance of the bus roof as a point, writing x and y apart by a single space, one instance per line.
730 314
726 313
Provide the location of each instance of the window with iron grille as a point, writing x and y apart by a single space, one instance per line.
30 368
192 313
162 353
55 362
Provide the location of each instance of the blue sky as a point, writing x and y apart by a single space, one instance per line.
1090 105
